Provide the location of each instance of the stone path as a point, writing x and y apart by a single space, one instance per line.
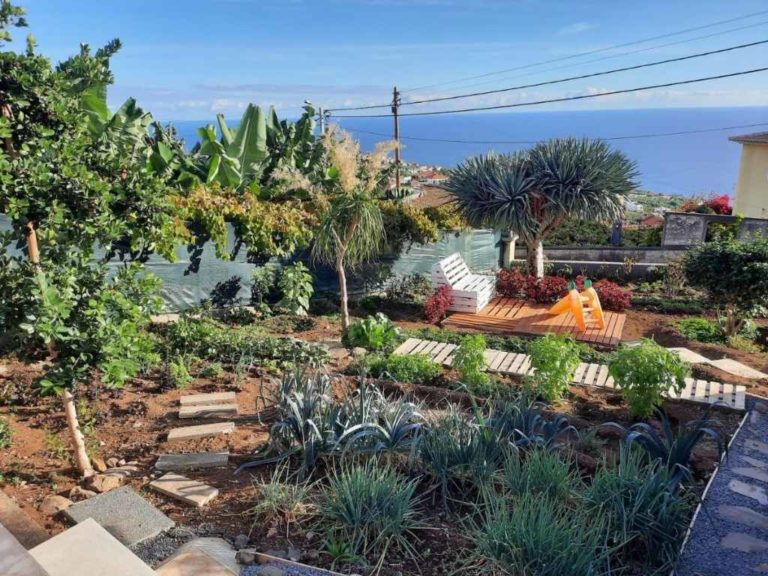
730 534
201 431
185 490
725 364
587 374
176 462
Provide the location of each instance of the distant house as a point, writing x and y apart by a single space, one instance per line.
652 221
432 177
633 206
752 186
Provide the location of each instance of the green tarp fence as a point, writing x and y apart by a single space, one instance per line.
183 287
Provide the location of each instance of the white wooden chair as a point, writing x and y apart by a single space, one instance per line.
471 292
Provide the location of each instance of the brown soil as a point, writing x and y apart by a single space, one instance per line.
131 425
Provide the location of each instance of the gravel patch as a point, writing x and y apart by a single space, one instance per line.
717 542
155 550
277 569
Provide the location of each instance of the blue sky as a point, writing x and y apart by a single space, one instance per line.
189 59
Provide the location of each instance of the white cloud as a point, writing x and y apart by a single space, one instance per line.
576 28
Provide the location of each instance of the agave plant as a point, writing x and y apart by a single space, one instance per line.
398 428
672 447
522 420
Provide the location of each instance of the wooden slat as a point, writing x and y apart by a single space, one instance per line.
578 376
429 348
419 348
407 346
445 353
508 360
436 350
700 391
499 359
589 378
514 368
740 397
602 376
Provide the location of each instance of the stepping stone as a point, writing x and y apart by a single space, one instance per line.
689 355
28 532
88 550
754 473
761 447
14 559
742 515
208 411
743 543
170 462
206 399
185 490
737 368
201 557
123 513
748 490
201 431
754 462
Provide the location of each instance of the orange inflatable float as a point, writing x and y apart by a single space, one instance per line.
585 306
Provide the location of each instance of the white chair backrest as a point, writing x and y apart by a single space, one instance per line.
452 269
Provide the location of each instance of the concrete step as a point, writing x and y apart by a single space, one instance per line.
201 431
184 489
28 532
204 399
14 558
87 549
201 557
208 411
176 462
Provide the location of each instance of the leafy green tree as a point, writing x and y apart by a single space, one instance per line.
75 202
533 192
734 274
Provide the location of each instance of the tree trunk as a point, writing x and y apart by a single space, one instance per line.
535 257
343 292
82 460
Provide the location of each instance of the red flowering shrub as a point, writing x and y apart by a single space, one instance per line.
547 290
512 283
612 296
720 204
437 305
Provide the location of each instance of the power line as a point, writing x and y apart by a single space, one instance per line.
565 98
595 51
562 80
611 138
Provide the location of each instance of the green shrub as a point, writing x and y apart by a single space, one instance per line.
539 536
644 372
212 370
262 283
295 285
374 333
701 330
645 519
555 359
370 506
6 434
469 360
177 375
416 368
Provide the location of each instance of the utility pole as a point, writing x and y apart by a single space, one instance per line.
321 113
395 115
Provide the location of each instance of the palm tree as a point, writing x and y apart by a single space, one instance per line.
533 192
351 229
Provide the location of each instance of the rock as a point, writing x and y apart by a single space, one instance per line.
359 352
294 554
124 471
312 554
309 536
53 504
137 425
246 556
104 482
98 464
77 493
241 541
112 462
121 462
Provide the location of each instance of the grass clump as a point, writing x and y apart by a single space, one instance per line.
281 500
6 434
371 507
539 536
540 472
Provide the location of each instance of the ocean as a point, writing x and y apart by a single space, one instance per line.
698 164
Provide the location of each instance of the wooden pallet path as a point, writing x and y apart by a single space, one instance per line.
510 316
587 374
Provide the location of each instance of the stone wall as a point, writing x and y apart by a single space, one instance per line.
684 229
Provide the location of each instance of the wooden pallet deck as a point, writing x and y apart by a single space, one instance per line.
509 316
596 375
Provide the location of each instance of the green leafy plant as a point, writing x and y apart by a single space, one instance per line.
295 285
555 359
645 372
212 370
177 374
372 507
262 283
744 287
701 330
6 434
415 368
374 333
339 550
469 360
